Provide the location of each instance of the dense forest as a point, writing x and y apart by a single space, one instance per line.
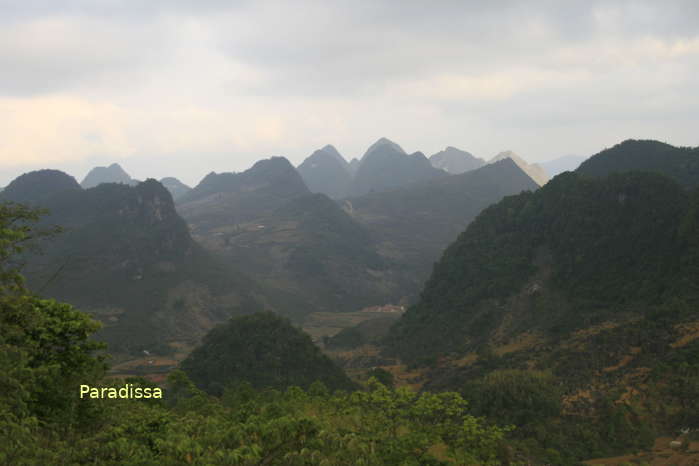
569 312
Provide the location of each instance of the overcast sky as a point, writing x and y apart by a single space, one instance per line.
182 88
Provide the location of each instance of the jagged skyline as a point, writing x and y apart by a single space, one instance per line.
182 88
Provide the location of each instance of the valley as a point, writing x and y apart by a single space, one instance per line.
480 283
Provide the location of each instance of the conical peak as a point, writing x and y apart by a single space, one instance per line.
384 142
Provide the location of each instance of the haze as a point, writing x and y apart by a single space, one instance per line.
182 88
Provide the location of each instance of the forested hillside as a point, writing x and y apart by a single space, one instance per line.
47 358
127 257
581 298
264 350
679 163
599 248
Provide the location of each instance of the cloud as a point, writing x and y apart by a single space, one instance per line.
218 84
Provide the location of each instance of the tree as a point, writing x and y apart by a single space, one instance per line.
44 344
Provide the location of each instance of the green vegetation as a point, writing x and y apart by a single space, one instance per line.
678 163
46 353
561 311
126 256
264 350
576 252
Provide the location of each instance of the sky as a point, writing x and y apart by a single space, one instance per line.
182 88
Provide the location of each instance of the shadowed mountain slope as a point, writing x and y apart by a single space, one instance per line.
414 224
176 187
325 171
538 268
127 257
386 166
587 286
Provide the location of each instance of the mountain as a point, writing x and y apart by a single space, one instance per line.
679 163
566 163
591 283
383 144
34 187
315 255
455 161
176 187
539 262
275 175
229 199
111 174
332 151
386 166
127 257
533 170
264 350
303 248
413 224
325 171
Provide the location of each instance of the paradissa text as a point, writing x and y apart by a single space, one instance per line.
127 391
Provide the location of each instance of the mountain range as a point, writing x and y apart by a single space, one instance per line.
589 285
127 257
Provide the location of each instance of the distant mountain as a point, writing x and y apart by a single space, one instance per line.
312 255
34 187
413 224
330 149
325 171
176 187
111 174
224 200
455 161
533 170
127 257
386 166
275 175
264 350
679 163
307 252
566 163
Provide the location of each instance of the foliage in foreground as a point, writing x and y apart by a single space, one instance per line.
295 427
46 354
